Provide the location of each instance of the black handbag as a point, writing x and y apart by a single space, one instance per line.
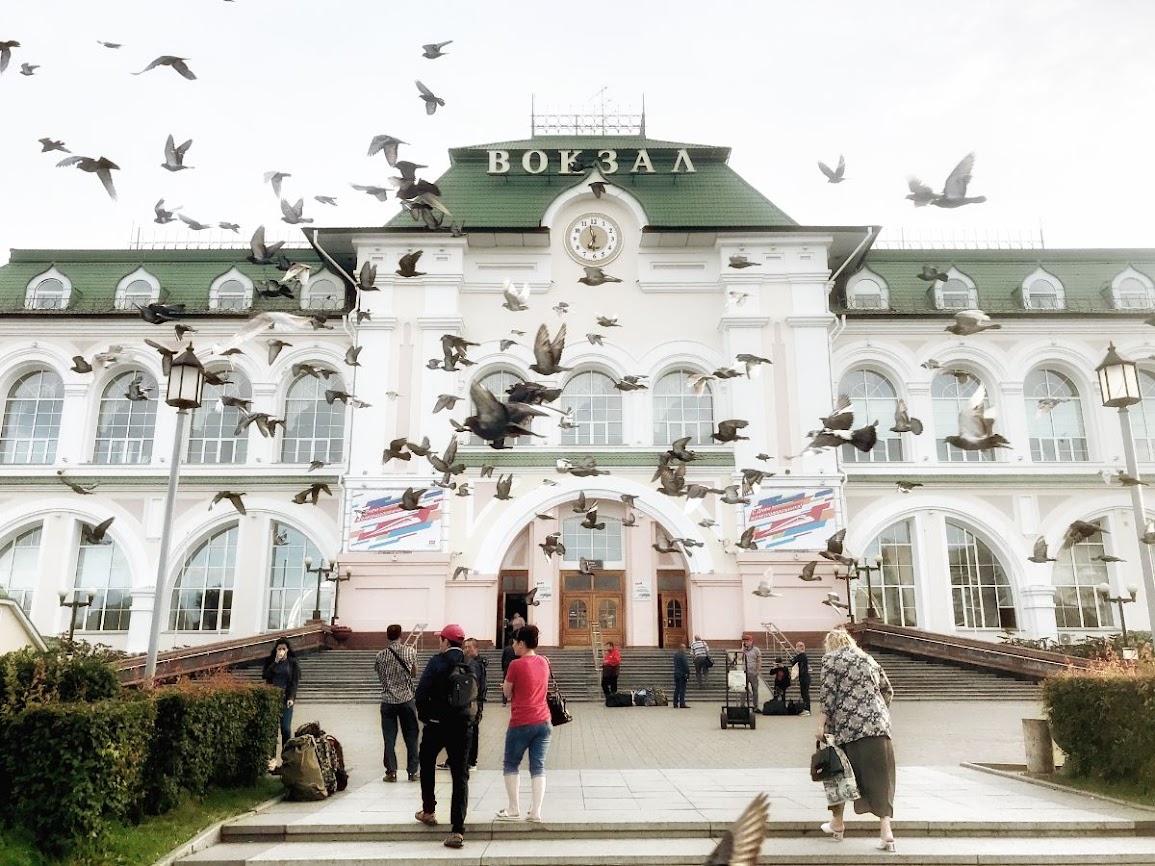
558 714
824 764
707 662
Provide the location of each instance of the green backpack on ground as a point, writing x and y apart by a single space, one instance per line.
301 769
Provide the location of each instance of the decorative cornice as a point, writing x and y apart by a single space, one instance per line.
474 456
810 321
743 322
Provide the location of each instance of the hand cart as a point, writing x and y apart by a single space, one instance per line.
734 713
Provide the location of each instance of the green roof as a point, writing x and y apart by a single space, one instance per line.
184 276
998 275
713 196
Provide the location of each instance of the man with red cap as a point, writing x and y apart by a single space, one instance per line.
447 726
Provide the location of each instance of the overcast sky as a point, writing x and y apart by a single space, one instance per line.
1055 97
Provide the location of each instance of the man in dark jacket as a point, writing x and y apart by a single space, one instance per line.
681 676
445 728
481 671
507 657
803 662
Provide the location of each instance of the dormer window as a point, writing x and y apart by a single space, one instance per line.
1042 291
322 293
231 291
50 290
957 292
1131 290
138 289
867 291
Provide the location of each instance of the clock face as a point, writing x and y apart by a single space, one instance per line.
593 239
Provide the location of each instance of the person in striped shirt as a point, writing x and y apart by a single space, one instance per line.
702 661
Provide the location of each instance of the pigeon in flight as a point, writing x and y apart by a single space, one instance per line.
326 199
504 485
1080 530
976 426
234 498
174 155
386 144
75 486
312 493
135 392
367 277
29 69
728 430
766 589
293 214
407 265
742 843
411 498
954 190
834 175
516 298
431 101
96 534
109 44
834 550
232 227
904 486
80 365
931 274
193 224
968 322
433 51
274 178
552 546
808 571
547 353
178 64
47 144
260 253
903 423
741 262
597 277
102 167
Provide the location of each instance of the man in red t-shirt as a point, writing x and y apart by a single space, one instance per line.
526 684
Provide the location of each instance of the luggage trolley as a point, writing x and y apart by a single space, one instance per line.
735 714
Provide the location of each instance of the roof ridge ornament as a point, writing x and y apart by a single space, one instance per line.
599 120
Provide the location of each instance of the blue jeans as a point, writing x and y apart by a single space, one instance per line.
680 683
286 724
406 715
535 738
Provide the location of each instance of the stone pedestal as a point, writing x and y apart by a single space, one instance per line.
1040 748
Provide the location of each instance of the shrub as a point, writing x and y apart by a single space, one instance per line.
1104 720
29 676
76 768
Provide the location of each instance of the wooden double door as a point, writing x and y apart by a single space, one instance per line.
587 598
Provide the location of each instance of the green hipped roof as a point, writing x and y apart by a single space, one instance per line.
184 276
997 274
713 196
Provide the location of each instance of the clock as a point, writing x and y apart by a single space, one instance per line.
593 239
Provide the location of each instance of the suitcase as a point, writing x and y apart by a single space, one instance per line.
620 699
774 708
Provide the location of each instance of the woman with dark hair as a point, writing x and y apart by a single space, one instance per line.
283 671
526 684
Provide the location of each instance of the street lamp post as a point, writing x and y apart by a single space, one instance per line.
869 567
1119 387
337 579
89 595
1104 590
846 576
323 570
186 379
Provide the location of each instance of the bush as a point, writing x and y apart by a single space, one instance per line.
75 767
210 732
80 673
1104 720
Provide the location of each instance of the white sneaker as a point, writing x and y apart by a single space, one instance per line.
804 713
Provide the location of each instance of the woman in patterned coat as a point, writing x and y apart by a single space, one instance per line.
856 698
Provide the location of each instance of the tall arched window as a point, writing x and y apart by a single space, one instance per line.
498 382
1143 418
893 586
314 428
32 419
292 590
597 410
125 429
1075 576
212 427
679 412
1054 418
951 392
979 587
19 567
873 398
604 544
202 597
103 568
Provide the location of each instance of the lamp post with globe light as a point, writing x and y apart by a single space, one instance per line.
80 598
323 570
1119 387
1104 590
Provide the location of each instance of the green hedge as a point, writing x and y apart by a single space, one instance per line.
1104 720
29 676
210 733
69 769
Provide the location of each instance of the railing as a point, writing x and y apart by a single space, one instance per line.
1020 661
189 661
776 641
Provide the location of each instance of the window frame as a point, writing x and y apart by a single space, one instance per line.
296 586
855 298
296 448
944 451
683 401
33 291
123 301
589 429
215 294
220 545
136 409
963 587
23 450
874 407
1078 447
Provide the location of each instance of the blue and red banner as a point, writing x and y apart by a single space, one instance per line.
794 520
377 521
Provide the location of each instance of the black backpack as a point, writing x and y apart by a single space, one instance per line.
462 691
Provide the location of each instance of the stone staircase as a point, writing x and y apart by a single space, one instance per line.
344 676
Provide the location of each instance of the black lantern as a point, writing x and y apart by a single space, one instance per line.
186 379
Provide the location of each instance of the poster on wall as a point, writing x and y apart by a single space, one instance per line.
377 521
793 520
544 587
643 589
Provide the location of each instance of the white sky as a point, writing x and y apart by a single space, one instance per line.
1054 96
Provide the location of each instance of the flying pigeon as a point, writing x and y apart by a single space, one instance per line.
740 262
312 493
547 353
174 155
515 298
597 277
29 69
234 498
976 426
74 486
968 322
431 101
386 144
96 534
47 144
808 571
178 64
102 167
1080 530
834 175
6 52
433 51
728 431
1039 554
903 423
931 274
274 178
293 214
407 265
834 551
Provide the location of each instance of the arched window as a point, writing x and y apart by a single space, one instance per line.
1054 418
1075 575
979 587
19 567
498 382
873 398
232 290
322 293
604 544
867 290
138 289
892 587
202 597
32 419
597 410
955 294
103 568
314 428
49 291
212 434
125 429
1131 290
679 412
1042 291
292 590
951 392
1143 418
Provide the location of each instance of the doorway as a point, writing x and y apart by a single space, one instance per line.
588 598
511 600
673 615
